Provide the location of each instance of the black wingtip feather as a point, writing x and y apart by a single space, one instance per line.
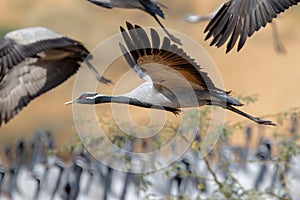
254 14
129 25
155 39
122 29
166 43
126 55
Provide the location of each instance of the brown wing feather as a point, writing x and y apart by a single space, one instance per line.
150 60
241 18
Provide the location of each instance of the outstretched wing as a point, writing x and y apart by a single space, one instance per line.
31 78
241 18
33 61
157 59
13 53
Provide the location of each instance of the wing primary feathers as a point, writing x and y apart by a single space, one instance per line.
131 62
135 38
129 43
232 24
166 44
155 41
144 39
251 15
216 18
222 25
234 36
215 39
243 35
160 57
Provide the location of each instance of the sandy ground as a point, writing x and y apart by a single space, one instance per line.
257 69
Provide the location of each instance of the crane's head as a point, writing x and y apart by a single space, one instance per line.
85 98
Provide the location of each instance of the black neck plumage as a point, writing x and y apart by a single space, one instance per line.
135 102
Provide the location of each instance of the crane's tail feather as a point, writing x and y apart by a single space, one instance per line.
224 97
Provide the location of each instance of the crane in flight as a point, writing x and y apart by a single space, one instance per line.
32 62
171 77
151 7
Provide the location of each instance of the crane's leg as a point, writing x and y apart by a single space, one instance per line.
172 37
255 119
100 78
279 47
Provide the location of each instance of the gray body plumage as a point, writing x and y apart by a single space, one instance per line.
147 92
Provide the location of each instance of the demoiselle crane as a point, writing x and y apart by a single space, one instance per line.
157 65
150 6
32 62
241 18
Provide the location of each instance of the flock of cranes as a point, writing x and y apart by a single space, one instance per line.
35 60
30 173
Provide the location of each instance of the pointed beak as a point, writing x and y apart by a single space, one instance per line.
70 102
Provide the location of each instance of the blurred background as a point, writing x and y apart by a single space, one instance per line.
257 69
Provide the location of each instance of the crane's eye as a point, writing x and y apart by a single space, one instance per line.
83 97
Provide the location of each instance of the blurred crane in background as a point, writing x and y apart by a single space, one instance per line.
32 62
82 177
149 6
